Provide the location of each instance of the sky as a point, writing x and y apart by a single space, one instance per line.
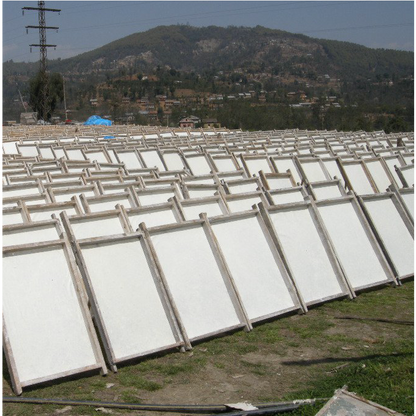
86 25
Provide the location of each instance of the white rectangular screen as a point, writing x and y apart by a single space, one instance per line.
358 179
253 267
152 218
306 254
396 237
141 323
313 171
352 245
379 175
210 208
199 165
256 165
30 235
173 161
44 320
97 227
195 281
243 204
327 191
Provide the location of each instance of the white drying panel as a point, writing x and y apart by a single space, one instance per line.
256 165
29 235
97 227
306 254
153 218
391 162
98 156
240 188
152 159
253 266
279 183
154 197
47 332
199 165
192 212
358 179
66 197
409 175
285 164
392 230
331 190
201 192
130 160
46 214
224 164
108 205
352 245
195 281
12 218
408 199
75 154
242 204
125 290
46 152
9 192
313 171
173 161
379 175
332 168
286 197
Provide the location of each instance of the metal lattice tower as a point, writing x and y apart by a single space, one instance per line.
43 51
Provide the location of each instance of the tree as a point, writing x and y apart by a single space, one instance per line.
55 93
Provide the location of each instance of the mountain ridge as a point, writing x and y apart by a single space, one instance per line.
189 48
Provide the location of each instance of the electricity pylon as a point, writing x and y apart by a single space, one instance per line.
43 52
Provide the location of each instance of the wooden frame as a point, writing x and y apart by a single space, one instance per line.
226 251
342 282
288 195
148 210
315 189
289 165
185 206
286 177
60 244
88 202
240 319
246 159
79 247
386 245
347 252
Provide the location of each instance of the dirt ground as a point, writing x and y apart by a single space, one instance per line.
265 365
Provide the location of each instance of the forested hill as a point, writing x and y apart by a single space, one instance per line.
188 48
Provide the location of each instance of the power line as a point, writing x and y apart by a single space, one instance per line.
357 27
198 15
16 37
106 8
11 20
43 47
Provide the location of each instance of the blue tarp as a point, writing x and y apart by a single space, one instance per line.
97 121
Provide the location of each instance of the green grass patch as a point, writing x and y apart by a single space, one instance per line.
127 379
384 379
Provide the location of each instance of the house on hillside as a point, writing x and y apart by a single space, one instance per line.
211 122
187 122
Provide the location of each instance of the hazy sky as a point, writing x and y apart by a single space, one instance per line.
86 25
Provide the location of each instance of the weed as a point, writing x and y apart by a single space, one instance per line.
132 380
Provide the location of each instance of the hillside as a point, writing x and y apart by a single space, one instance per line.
189 48
252 78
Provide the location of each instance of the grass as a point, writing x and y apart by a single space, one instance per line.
296 357
384 379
